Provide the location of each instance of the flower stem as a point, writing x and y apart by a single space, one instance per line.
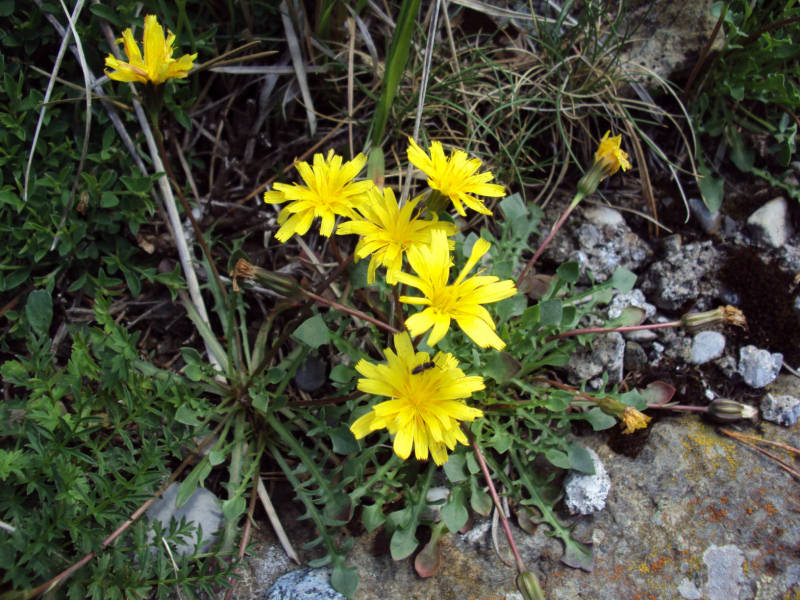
621 329
350 311
496 500
575 201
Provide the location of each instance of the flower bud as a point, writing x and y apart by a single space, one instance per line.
725 410
282 284
696 322
528 586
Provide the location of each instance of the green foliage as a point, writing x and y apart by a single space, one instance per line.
751 89
83 446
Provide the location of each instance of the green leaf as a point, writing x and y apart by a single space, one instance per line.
514 208
454 468
623 280
194 480
711 189
557 458
186 415
344 579
372 516
403 542
313 332
108 200
569 272
232 508
598 419
501 367
216 457
550 312
342 374
480 501
107 13
14 372
343 440
580 459
455 513
39 311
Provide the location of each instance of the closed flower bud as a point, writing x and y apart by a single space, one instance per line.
528 586
282 284
725 410
729 315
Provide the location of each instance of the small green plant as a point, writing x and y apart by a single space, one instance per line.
750 90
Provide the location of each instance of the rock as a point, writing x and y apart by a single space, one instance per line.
759 367
635 357
669 35
770 224
304 584
725 572
585 494
312 374
688 273
603 215
202 509
605 356
783 410
598 247
706 346
708 221
633 298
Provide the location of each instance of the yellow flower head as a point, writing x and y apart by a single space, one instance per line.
388 231
610 155
633 419
329 190
426 404
455 177
460 301
157 65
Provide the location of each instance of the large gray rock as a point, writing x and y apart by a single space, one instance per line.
670 35
202 509
687 272
304 584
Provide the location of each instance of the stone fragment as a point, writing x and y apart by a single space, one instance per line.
706 346
607 355
770 224
688 272
603 215
202 508
783 410
585 494
304 584
759 367
633 298
725 572
708 221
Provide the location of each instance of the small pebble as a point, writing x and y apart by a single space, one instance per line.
770 223
706 346
783 410
304 584
759 367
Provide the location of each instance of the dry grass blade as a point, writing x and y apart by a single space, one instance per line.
752 441
87 128
275 521
300 70
50 85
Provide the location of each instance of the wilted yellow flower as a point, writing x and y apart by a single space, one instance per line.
460 301
157 65
329 190
610 154
633 419
455 177
426 405
388 231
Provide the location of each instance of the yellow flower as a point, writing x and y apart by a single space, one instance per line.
455 177
157 65
460 301
329 191
388 231
633 419
610 155
426 404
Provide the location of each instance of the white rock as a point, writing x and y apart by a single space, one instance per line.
759 367
586 494
706 346
603 215
784 409
770 223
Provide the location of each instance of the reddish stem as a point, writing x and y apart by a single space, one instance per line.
622 329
